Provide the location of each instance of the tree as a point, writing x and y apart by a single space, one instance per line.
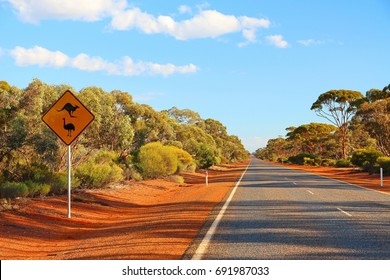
375 118
338 107
312 136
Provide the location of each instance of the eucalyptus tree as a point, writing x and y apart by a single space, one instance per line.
312 136
374 116
338 107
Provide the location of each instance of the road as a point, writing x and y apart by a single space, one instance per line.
283 214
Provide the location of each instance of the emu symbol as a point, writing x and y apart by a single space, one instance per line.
69 127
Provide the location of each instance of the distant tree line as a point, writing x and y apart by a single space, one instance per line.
127 140
358 133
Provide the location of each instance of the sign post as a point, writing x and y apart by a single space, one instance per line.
381 174
69 182
67 118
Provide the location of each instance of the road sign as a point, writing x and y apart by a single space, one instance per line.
68 117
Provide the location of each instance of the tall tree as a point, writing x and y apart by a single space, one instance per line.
312 136
338 107
374 115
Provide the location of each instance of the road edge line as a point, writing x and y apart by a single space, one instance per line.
210 233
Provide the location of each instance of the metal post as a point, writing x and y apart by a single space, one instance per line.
381 171
69 181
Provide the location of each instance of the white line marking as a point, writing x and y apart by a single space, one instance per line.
310 192
344 182
346 213
209 235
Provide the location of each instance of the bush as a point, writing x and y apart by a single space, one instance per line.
98 171
341 163
384 162
35 188
156 161
300 158
184 158
59 183
365 158
13 190
35 172
205 157
328 162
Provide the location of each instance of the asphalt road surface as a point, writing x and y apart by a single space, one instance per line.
283 214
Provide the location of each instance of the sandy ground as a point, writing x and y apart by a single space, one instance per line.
145 220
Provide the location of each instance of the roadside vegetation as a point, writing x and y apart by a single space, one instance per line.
358 133
126 141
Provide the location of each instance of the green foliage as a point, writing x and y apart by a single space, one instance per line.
59 183
301 159
205 157
328 162
341 163
30 152
338 107
365 158
156 160
374 119
98 171
35 188
384 162
13 190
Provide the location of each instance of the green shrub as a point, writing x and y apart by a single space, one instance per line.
365 158
205 157
13 190
98 171
341 163
384 162
300 158
328 162
184 158
35 172
156 161
59 183
35 188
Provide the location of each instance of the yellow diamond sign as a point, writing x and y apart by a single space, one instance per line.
68 117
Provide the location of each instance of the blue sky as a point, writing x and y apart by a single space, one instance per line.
256 66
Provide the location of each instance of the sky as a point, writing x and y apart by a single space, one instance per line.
256 66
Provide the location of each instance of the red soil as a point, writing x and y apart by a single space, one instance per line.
145 220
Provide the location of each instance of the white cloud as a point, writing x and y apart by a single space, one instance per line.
183 9
205 23
310 42
39 56
34 11
277 40
122 67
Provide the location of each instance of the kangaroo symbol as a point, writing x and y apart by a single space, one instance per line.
69 127
69 108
